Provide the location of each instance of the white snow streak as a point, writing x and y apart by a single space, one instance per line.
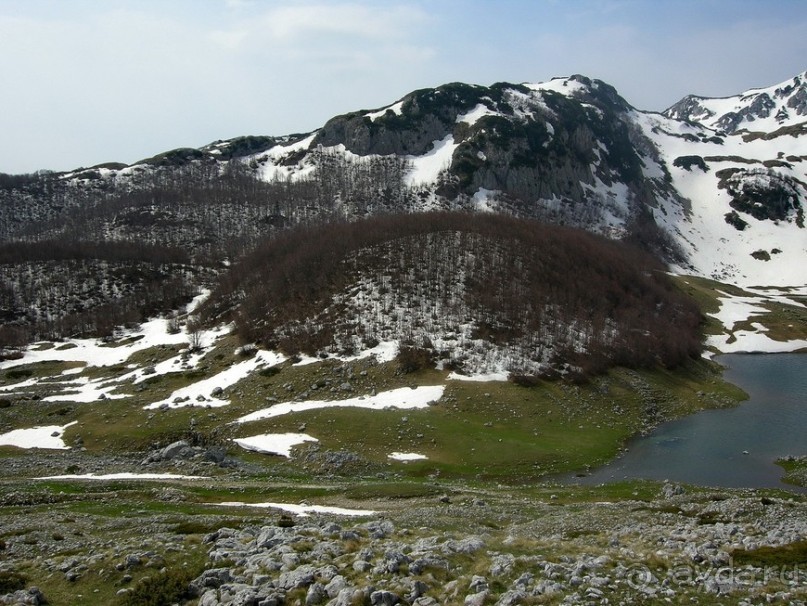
403 398
395 108
124 476
200 393
406 456
301 510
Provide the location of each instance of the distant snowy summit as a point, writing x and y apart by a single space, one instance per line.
759 109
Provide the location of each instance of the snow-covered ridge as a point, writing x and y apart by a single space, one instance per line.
758 109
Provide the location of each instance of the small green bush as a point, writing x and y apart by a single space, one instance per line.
204 527
163 589
12 581
19 373
411 358
783 555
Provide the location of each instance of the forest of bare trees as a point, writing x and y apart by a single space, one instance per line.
68 288
547 293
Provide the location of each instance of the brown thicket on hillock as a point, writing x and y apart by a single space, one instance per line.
553 294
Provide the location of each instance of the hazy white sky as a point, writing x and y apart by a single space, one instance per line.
91 81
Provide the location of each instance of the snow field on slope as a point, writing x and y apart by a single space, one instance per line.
93 353
273 169
737 309
152 333
721 106
475 114
747 341
714 247
564 86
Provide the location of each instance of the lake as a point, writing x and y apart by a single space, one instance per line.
733 447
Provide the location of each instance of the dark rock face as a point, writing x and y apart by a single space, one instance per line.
426 115
528 145
760 107
763 194
798 102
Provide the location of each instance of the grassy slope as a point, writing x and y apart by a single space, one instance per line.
795 471
492 431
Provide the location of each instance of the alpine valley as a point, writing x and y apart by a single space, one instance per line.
420 316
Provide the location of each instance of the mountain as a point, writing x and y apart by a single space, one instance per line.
694 185
757 110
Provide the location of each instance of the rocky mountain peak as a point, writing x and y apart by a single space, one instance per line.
760 109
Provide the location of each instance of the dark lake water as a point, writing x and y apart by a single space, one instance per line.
708 448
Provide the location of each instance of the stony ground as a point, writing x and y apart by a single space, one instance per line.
428 543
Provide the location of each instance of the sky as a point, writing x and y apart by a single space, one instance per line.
84 82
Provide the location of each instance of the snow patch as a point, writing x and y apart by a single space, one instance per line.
407 456
427 168
200 393
274 443
45 436
92 352
383 352
22 385
402 398
564 86
86 390
301 510
480 377
396 109
475 114
737 309
124 476
272 159
746 341
485 200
